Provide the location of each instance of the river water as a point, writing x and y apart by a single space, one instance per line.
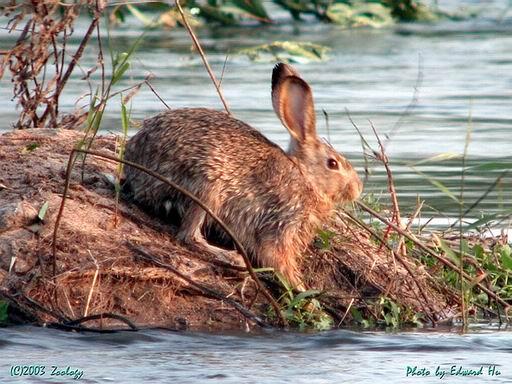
277 357
424 83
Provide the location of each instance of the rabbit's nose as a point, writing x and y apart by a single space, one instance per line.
355 188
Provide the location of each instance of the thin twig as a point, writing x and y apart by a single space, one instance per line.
412 104
346 312
461 208
156 94
40 307
481 198
74 61
382 156
93 284
414 215
223 69
203 57
100 316
365 146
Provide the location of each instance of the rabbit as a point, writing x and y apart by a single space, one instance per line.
273 200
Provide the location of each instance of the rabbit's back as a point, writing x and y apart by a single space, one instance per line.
218 158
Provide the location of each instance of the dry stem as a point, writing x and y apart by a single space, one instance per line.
203 57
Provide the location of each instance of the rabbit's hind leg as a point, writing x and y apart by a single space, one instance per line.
282 257
190 233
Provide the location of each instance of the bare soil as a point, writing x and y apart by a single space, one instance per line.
119 262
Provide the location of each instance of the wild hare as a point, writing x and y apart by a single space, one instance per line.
273 200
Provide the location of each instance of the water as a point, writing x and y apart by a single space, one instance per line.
276 357
460 70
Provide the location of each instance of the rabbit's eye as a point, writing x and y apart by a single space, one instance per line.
332 164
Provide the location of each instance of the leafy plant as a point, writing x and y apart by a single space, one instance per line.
358 318
396 316
302 310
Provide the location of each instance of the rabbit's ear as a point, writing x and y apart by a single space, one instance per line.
292 99
280 72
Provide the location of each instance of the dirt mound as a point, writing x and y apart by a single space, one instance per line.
118 266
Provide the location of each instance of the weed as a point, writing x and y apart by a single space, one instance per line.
301 310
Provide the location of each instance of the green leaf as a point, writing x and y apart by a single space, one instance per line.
478 251
324 323
282 280
438 185
450 253
120 58
304 295
506 259
412 10
440 157
124 119
118 74
465 246
482 298
215 13
356 315
147 21
30 147
324 239
119 15
485 219
42 211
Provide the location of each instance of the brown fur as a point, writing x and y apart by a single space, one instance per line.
273 200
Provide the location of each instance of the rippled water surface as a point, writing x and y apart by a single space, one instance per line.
277 357
425 84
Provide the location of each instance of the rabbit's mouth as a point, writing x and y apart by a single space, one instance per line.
353 189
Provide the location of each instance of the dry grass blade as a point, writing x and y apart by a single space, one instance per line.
203 57
382 156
